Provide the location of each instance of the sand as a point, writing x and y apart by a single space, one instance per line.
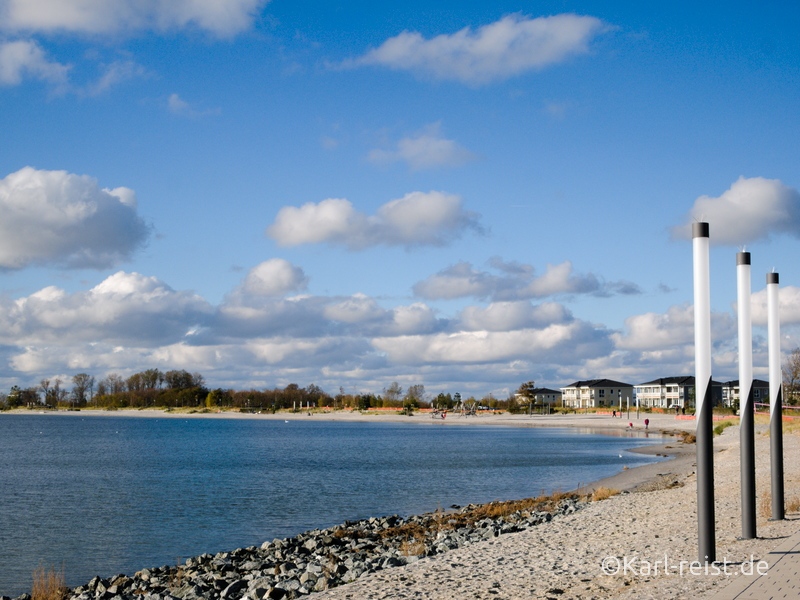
651 527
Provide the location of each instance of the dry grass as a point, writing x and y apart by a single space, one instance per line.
723 425
765 506
48 584
176 577
603 493
416 532
414 546
792 427
791 505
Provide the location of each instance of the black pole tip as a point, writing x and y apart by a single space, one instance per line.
742 258
772 278
699 230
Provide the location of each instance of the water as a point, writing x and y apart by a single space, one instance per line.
108 495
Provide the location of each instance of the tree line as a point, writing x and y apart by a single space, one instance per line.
153 388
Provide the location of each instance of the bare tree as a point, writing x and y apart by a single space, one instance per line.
791 376
82 386
394 393
112 384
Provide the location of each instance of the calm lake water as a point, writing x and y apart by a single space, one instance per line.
109 495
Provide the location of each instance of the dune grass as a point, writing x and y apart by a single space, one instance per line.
48 584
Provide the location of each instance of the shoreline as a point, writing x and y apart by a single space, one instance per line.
628 480
645 476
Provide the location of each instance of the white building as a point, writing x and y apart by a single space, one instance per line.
672 392
730 392
592 393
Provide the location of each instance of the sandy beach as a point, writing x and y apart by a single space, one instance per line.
650 526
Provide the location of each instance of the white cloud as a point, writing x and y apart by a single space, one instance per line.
458 281
105 17
548 343
513 45
359 308
788 306
23 58
559 279
517 282
663 332
751 209
506 316
178 106
362 315
426 150
657 330
418 218
55 217
125 308
274 277
114 74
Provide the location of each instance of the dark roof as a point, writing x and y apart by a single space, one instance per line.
598 383
756 382
545 391
684 380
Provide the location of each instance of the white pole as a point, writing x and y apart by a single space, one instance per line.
703 398
747 457
775 397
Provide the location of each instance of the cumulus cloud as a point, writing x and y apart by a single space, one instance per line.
361 315
25 59
221 18
549 343
274 277
660 332
425 150
55 217
788 306
418 218
125 308
513 45
751 209
506 316
516 282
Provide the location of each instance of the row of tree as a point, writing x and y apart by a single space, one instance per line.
179 388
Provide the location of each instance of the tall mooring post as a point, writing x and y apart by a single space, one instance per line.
775 397
747 452
703 396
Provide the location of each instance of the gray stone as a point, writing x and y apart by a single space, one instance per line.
233 590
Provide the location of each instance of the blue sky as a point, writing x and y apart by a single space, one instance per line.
465 195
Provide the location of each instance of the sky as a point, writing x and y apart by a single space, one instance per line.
463 195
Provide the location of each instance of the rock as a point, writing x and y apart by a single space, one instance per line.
233 590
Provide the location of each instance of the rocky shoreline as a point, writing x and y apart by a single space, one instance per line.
321 559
